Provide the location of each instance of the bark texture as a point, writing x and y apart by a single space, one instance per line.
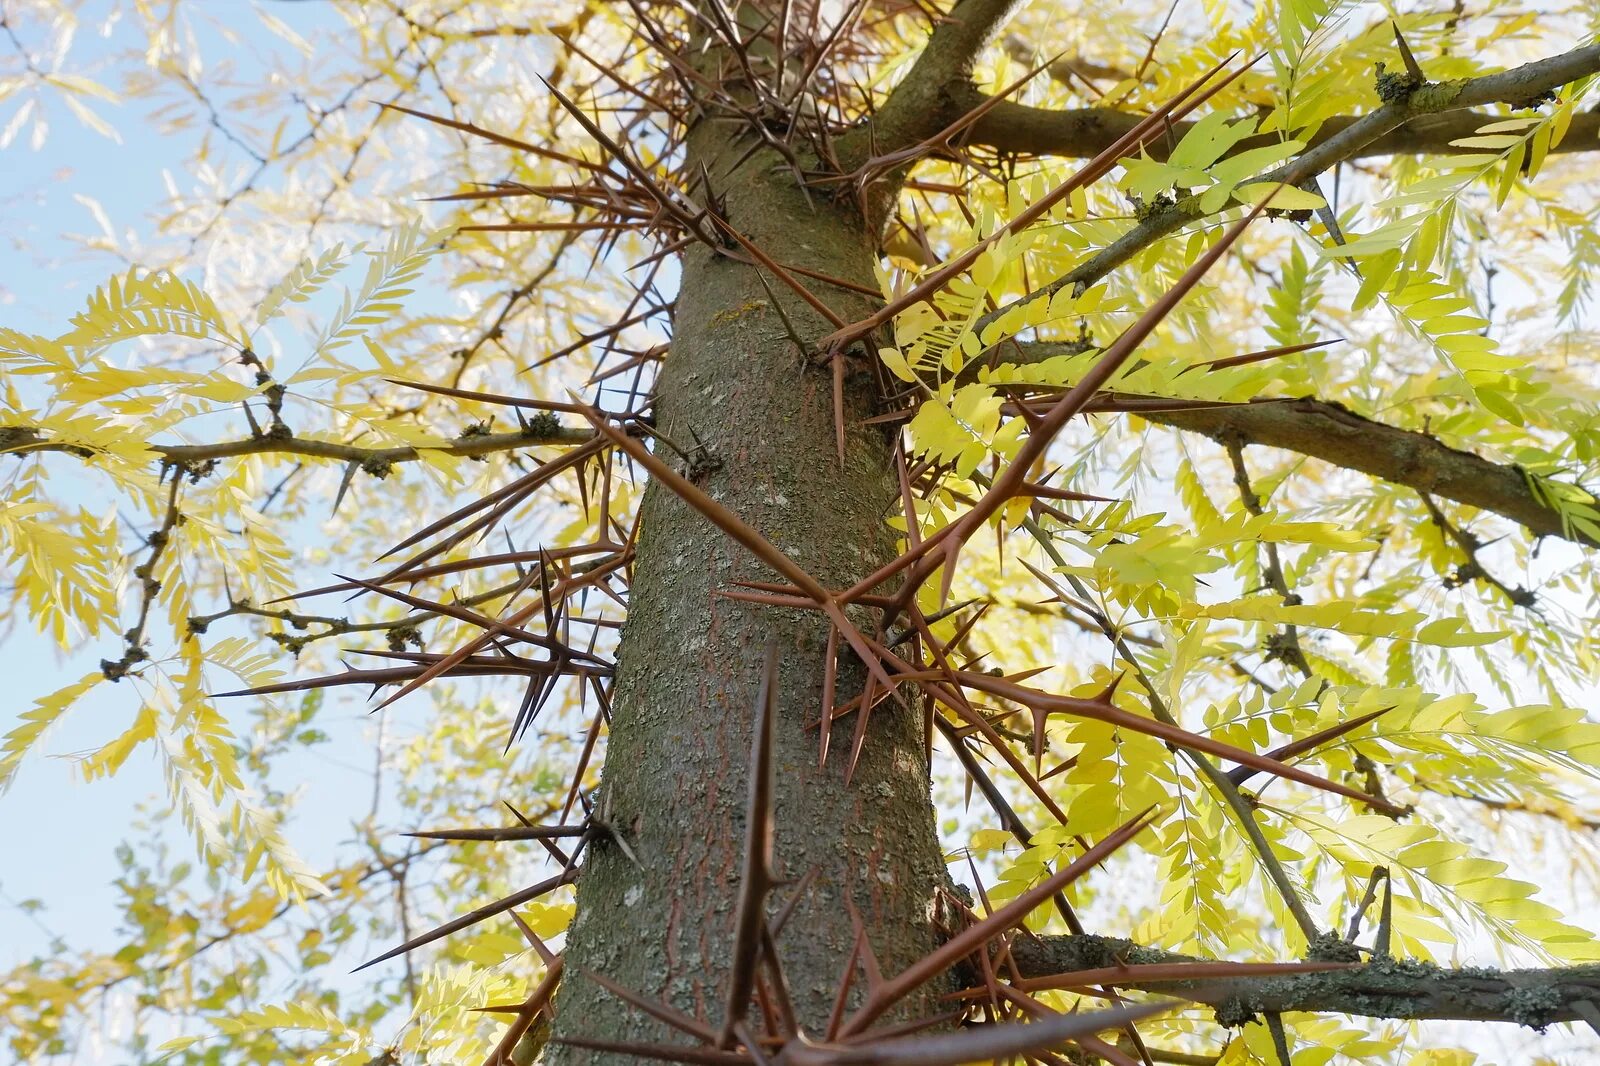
1382 988
689 662
1335 435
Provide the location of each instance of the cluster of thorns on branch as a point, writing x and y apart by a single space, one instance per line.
902 655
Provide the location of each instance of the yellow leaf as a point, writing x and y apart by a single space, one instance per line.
1283 197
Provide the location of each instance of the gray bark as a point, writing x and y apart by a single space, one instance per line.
689 663
1382 988
1337 435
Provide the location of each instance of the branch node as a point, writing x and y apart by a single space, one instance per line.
1396 87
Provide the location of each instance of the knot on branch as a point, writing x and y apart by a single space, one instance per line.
1235 1012
400 636
1539 99
289 643
196 470
476 429
117 669
378 467
1157 204
12 436
273 392
543 424
1282 646
1331 947
1396 87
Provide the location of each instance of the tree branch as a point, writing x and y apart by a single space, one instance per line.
1335 435
1425 119
1326 431
1082 133
1473 569
1382 988
336 625
149 585
927 98
1520 85
22 440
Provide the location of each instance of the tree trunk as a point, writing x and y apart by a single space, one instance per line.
677 767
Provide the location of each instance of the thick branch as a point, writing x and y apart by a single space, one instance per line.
1383 988
1520 85
1082 133
22 440
924 101
1335 435
1425 119
1339 436
1326 431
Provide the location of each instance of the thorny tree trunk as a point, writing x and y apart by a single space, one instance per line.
676 770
